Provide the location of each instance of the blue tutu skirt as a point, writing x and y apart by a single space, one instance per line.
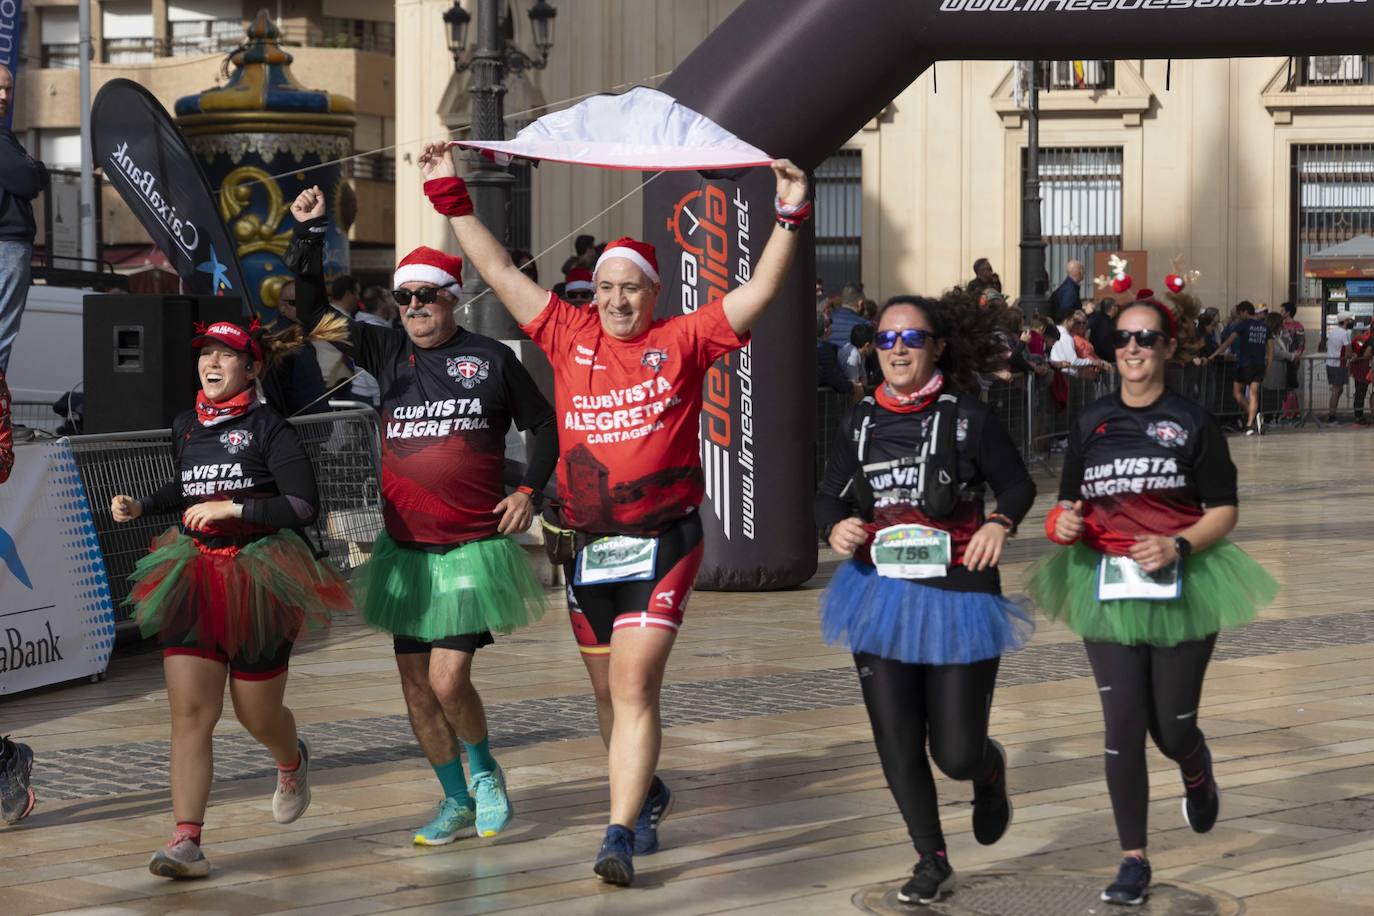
911 622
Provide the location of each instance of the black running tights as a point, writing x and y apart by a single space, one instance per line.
1148 688
950 703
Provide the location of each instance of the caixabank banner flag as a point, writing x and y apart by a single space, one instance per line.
56 614
11 41
147 161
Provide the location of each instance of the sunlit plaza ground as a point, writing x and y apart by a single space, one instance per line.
781 806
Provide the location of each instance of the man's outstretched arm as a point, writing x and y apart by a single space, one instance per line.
521 296
744 305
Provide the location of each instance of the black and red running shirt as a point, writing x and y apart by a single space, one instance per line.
629 414
987 458
1145 470
255 459
445 413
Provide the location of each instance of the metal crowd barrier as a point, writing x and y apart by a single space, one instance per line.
1039 411
344 448
35 415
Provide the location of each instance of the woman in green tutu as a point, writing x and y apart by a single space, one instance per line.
1147 577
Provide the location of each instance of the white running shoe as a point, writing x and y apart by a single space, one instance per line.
180 859
293 789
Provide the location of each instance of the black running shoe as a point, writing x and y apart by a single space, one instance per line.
1132 884
991 806
931 879
1202 803
16 797
615 863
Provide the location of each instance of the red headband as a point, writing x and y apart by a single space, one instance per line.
1146 297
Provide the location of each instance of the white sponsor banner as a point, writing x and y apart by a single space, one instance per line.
56 614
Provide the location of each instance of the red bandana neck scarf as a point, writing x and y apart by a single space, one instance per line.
910 403
210 412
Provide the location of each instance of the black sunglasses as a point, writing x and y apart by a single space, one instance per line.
1147 338
580 294
915 338
425 294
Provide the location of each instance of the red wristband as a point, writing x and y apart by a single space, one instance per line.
528 491
449 196
1050 521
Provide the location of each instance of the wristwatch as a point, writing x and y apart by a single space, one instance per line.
1183 547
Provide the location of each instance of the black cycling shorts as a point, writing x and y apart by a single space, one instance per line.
597 611
263 668
467 642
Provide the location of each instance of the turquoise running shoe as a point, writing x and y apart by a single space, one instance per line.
494 809
454 821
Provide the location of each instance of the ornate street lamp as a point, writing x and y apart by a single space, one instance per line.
490 59
542 15
457 21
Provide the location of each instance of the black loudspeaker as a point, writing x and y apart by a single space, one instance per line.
139 370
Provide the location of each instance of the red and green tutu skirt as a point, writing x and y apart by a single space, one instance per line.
1223 587
243 601
481 586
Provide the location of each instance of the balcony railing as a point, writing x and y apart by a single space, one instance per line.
1078 74
1334 70
61 56
375 167
221 37
132 50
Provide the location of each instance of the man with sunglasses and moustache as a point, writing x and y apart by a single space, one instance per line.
444 575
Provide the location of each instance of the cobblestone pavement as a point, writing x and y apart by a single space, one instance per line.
142 766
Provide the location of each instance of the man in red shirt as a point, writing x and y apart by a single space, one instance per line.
628 401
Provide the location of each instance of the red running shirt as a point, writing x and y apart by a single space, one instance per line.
628 413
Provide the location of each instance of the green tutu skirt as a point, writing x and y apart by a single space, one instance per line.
479 586
1222 588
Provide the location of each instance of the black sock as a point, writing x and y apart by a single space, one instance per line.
1194 765
991 769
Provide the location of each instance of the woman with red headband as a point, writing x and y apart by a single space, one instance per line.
229 589
1146 500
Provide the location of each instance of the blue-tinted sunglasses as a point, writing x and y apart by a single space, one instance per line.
914 338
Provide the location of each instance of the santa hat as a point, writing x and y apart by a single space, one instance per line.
641 254
425 265
578 278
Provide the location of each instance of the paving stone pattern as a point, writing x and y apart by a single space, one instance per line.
142 766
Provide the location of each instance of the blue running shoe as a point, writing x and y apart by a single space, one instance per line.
1132 884
655 811
453 821
494 809
615 863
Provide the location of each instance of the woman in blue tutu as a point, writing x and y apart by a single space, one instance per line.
919 601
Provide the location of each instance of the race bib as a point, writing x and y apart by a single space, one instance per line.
1121 577
911 552
619 558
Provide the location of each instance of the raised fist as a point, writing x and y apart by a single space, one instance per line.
308 204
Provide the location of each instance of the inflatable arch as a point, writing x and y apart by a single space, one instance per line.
798 78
